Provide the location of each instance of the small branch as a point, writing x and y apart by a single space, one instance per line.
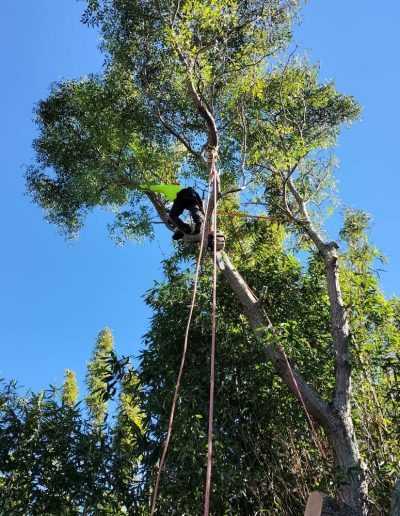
232 191
319 504
181 138
176 9
244 143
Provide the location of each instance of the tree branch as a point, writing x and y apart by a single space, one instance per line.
181 138
261 325
339 323
200 105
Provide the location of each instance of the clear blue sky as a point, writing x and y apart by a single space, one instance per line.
54 297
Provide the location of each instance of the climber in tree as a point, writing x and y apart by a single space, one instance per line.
183 199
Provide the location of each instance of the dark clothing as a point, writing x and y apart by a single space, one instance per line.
188 199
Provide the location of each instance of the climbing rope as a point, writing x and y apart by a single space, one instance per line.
249 216
212 354
214 181
182 363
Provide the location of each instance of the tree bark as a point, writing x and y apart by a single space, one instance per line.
319 504
395 501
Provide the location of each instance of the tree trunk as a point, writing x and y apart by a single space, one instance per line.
395 502
350 469
338 426
319 504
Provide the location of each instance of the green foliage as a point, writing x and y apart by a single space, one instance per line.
143 121
263 445
47 459
102 136
97 137
69 394
265 459
375 345
97 377
54 460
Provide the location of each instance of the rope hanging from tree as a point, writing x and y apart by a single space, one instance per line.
182 364
213 180
214 185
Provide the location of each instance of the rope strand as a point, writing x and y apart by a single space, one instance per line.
182 363
212 357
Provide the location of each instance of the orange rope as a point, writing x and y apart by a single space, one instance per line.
212 357
182 363
314 433
248 216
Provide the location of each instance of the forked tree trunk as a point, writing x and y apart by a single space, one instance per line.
338 427
335 418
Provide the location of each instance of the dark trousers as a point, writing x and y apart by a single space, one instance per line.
187 199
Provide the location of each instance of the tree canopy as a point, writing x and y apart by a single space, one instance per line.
191 88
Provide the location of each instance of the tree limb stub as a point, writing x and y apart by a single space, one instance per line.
395 500
319 504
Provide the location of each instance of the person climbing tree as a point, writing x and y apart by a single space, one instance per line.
183 199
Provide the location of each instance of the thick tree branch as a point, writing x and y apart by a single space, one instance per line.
261 325
339 323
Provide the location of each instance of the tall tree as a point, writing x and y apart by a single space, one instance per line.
265 458
128 445
193 88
